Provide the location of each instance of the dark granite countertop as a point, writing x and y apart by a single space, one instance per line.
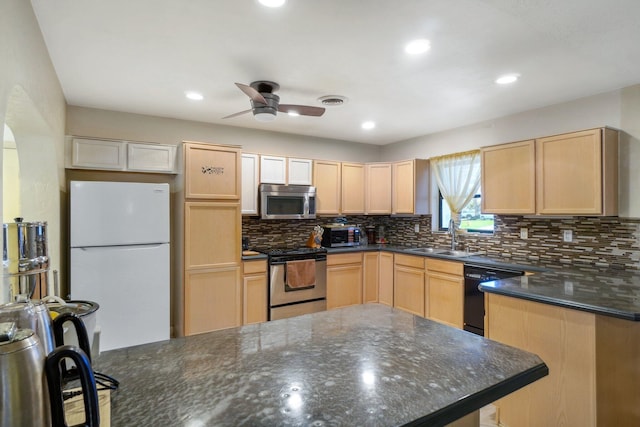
362 365
606 291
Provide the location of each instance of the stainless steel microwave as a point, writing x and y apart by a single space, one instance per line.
287 201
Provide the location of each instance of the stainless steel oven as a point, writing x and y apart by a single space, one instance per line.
297 282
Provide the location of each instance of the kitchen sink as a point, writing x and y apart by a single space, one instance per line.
456 253
428 250
447 252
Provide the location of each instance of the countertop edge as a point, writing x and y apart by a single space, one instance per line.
476 401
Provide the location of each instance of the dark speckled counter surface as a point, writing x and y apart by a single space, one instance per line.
361 365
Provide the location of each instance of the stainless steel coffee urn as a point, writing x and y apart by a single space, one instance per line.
25 261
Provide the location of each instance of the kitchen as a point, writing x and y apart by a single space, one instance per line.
30 68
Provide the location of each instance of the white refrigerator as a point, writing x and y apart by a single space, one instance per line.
119 238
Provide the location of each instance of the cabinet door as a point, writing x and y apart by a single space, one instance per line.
212 300
98 154
352 188
250 184
344 285
378 188
212 235
403 187
509 178
273 170
385 279
255 301
445 298
151 157
371 274
569 173
212 171
300 172
408 289
327 180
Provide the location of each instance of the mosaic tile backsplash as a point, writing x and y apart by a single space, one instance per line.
597 242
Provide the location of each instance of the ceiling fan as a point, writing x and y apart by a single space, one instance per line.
265 104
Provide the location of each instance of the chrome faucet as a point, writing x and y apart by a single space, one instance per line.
452 231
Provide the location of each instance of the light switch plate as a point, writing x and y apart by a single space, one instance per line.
417 228
524 233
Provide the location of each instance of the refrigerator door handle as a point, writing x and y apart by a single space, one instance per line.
117 247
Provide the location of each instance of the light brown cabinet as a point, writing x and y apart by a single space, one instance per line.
378 188
328 182
344 280
212 286
385 278
410 191
371 276
509 178
409 284
445 292
254 292
569 174
352 185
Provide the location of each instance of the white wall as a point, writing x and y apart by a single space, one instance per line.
116 125
33 106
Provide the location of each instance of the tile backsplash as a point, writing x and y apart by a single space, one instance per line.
608 242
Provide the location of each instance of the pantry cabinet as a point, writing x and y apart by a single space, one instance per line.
378 189
509 178
410 187
445 292
344 280
409 284
211 246
352 186
254 292
327 178
569 174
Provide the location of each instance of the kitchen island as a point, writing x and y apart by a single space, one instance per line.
361 365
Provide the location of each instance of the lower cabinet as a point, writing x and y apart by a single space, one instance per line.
212 300
444 299
344 280
409 283
371 276
254 292
385 278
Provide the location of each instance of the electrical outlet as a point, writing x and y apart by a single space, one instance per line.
567 235
524 233
416 228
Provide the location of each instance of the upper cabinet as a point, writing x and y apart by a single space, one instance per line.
273 170
212 171
353 185
509 178
328 182
283 170
570 174
250 183
116 155
410 191
378 188
300 171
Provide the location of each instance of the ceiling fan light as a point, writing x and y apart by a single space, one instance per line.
264 117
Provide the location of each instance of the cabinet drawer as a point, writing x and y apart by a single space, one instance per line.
354 258
409 260
253 267
450 267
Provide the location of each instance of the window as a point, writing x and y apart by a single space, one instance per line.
471 219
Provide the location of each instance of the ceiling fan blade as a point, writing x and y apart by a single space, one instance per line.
303 110
252 93
237 114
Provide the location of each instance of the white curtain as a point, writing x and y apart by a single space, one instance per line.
458 178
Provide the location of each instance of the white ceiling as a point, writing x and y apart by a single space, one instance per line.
141 56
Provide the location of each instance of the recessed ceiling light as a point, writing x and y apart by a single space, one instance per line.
417 47
272 3
368 125
507 79
194 96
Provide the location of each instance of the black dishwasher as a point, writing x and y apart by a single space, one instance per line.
474 298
